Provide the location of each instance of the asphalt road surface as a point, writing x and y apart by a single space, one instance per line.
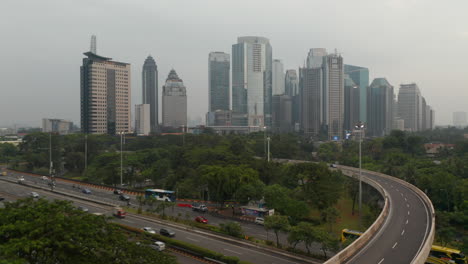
184 234
406 230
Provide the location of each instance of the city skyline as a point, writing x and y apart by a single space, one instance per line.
399 63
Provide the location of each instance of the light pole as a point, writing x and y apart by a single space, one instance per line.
268 141
360 126
50 154
121 158
264 141
86 153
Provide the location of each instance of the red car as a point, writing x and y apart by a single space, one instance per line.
201 219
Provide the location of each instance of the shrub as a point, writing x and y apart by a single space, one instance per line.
233 229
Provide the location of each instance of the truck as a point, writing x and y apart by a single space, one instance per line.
4 173
119 212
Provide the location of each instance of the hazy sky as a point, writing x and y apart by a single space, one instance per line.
42 45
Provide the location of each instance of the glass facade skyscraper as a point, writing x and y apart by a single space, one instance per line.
252 80
218 78
149 77
380 107
360 77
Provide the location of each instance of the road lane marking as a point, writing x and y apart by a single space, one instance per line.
397 190
408 212
381 261
406 221
235 252
394 245
189 238
128 221
407 205
406 199
402 232
401 194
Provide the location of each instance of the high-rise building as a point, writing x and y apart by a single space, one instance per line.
252 79
282 114
291 88
291 83
311 89
460 119
316 58
380 113
149 77
218 81
410 106
334 76
60 126
93 47
105 95
278 78
351 104
174 102
142 119
360 76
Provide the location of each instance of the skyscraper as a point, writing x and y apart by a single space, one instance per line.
252 79
105 95
282 113
142 119
278 78
334 77
174 102
360 76
311 84
149 78
351 104
316 59
410 106
291 87
460 119
218 81
380 113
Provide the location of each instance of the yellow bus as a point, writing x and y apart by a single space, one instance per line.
349 234
433 260
449 255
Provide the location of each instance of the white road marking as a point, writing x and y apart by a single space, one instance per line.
401 194
397 190
407 205
189 238
128 221
408 212
402 232
406 199
394 245
235 252
406 221
381 261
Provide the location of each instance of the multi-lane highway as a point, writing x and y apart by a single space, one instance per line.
244 252
406 230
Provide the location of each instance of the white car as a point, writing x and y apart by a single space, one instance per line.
159 246
44 178
149 230
34 195
259 220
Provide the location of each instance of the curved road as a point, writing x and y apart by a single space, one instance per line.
404 233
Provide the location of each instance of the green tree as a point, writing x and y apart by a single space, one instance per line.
330 216
277 223
56 232
233 229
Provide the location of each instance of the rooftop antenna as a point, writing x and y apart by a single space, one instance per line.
93 44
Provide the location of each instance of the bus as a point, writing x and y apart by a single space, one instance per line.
161 195
448 254
349 234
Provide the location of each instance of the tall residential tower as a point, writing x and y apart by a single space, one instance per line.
218 81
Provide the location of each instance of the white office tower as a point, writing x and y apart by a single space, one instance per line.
278 78
334 78
174 102
142 119
252 80
410 105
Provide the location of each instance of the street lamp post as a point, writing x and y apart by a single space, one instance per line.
50 154
268 141
121 158
360 126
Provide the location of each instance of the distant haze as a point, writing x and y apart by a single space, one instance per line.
42 45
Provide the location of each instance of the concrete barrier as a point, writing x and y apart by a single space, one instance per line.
354 247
